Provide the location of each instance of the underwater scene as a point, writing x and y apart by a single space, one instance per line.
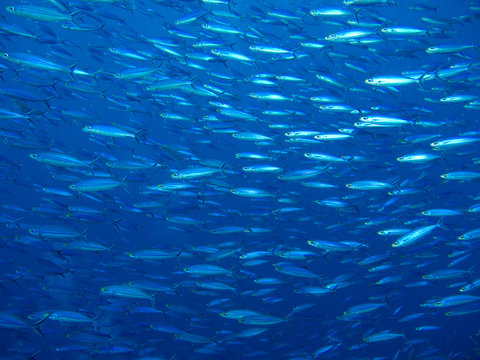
239 179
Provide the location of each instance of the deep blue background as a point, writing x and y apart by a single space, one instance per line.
44 275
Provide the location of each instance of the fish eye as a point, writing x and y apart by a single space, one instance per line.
175 174
33 156
233 190
307 154
11 8
215 51
5 55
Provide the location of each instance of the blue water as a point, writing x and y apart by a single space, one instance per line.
119 271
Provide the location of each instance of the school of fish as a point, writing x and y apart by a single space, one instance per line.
226 179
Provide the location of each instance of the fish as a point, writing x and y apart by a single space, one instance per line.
238 179
369 185
382 336
260 320
39 13
455 300
59 159
414 235
362 309
35 62
98 184
391 80
206 269
111 131
125 291
251 192
194 172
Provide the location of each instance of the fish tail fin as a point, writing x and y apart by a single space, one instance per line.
35 354
59 252
94 160
470 269
39 322
124 185
356 15
421 80
325 256
441 222
111 250
36 327
71 71
139 132
73 16
115 224
152 299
